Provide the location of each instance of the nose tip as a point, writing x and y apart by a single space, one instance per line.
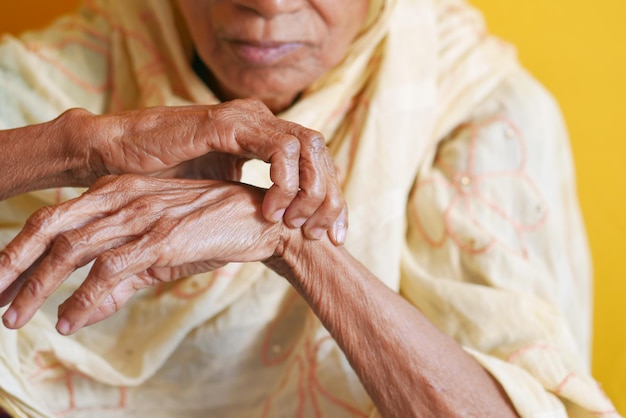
270 8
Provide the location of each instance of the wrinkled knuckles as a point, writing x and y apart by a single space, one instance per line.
109 305
8 258
144 204
144 280
64 249
41 219
108 267
81 300
34 288
314 142
290 146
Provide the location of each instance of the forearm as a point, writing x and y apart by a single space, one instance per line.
44 155
408 366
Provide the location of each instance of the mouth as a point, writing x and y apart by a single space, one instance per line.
262 53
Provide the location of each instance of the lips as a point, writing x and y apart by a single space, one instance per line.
262 53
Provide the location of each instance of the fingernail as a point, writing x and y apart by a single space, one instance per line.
63 326
278 215
9 318
317 233
340 234
298 222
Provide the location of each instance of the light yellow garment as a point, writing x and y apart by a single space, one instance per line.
460 188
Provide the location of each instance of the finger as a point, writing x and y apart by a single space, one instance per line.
10 292
326 200
41 229
28 245
325 217
339 230
129 286
263 136
108 271
285 175
283 144
313 179
120 295
70 251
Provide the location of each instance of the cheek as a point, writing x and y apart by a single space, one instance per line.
343 25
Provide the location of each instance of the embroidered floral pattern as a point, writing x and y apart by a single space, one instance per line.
300 359
50 371
469 199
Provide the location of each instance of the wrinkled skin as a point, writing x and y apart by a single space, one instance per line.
268 51
261 55
140 231
305 186
243 42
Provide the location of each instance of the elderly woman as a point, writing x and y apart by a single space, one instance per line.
462 288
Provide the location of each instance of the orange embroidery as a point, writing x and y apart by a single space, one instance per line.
51 371
301 365
522 351
467 191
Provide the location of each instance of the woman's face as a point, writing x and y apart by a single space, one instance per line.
271 49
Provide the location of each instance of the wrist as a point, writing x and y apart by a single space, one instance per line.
301 260
79 139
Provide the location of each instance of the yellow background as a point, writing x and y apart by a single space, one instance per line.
578 50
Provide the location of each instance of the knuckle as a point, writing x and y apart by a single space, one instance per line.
315 193
64 244
335 204
290 146
67 247
76 115
316 143
35 287
142 204
144 280
110 304
312 141
83 300
41 219
7 258
108 266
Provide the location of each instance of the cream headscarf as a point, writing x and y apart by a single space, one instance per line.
418 71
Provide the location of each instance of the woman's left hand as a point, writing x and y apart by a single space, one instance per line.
140 231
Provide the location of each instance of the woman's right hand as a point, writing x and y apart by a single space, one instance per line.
174 142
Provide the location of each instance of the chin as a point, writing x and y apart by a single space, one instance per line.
276 94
